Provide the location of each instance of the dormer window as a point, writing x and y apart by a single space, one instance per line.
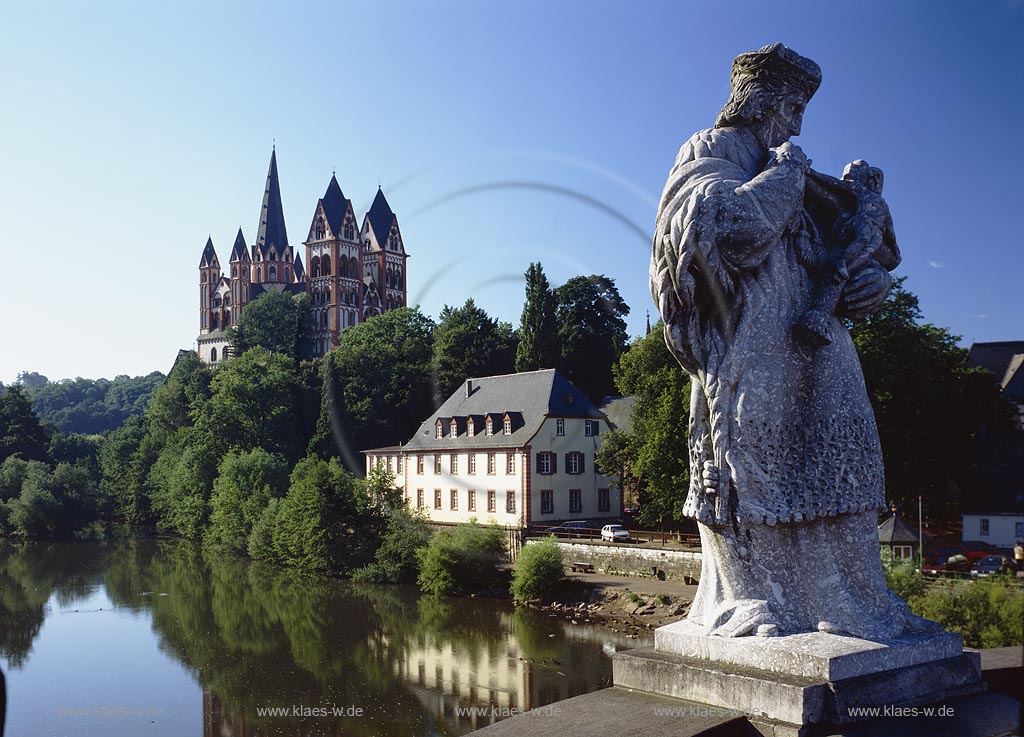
489 427
508 426
350 231
470 430
454 429
440 430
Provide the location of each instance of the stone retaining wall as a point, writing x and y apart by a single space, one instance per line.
622 560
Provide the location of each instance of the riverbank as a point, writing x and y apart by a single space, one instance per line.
622 603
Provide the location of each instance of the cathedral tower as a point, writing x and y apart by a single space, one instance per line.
384 256
272 257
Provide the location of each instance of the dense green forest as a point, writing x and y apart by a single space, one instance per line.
261 453
88 406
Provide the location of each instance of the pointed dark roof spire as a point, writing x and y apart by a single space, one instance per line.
381 217
209 254
335 205
272 230
240 252
648 323
300 272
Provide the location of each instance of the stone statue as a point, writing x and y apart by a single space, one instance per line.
755 259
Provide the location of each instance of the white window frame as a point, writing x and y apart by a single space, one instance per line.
544 463
507 426
510 464
492 501
510 501
591 429
492 464
471 500
472 464
560 427
572 463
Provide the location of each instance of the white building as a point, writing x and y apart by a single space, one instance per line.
512 450
993 508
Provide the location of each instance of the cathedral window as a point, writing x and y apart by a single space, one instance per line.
213 355
273 273
287 274
259 273
325 266
350 232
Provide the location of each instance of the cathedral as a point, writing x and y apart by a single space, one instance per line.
354 273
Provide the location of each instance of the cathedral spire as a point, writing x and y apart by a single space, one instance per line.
272 230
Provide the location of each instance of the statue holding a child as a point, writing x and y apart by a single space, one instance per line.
756 260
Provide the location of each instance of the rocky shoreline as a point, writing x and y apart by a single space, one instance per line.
622 610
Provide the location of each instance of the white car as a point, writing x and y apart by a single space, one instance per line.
614 533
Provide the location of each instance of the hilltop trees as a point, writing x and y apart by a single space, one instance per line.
538 329
591 332
276 321
467 343
381 387
927 402
21 432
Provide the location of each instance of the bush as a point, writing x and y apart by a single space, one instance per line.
397 557
461 560
905 581
245 484
538 572
987 613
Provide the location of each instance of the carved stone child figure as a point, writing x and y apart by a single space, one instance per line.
865 233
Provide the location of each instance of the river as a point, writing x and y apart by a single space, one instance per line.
159 638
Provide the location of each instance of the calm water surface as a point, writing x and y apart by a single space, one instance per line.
163 638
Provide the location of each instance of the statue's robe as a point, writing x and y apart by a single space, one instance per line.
789 535
790 427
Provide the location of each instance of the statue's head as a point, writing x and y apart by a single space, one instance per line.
769 89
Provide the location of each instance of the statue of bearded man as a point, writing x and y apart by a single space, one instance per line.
786 467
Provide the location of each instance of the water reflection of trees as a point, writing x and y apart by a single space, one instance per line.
30 573
256 636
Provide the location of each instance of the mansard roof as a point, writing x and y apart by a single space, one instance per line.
209 257
240 252
527 398
272 230
335 206
381 217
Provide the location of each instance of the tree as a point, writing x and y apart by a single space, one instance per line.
276 321
255 402
538 329
317 525
592 332
245 484
928 403
653 457
467 343
21 432
381 388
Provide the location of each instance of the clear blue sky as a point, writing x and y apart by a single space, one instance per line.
502 133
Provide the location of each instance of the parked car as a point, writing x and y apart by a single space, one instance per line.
574 528
976 550
991 565
614 533
957 565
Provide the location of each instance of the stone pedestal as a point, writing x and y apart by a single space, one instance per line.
805 679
